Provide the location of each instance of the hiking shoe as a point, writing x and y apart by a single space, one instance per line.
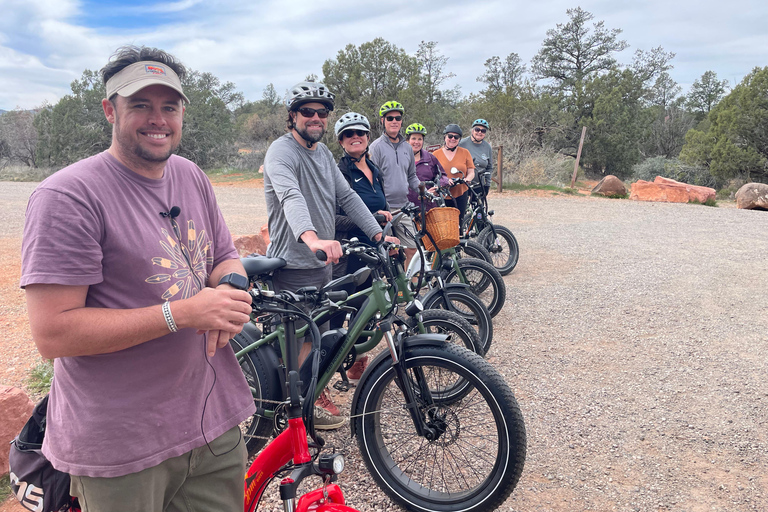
324 401
356 370
324 420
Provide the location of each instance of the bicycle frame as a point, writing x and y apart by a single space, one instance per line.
291 444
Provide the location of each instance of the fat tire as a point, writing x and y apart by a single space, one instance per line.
459 330
472 249
476 462
488 284
266 383
504 259
469 306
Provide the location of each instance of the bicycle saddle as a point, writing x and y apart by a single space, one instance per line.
258 265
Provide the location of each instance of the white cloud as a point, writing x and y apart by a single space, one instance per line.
254 44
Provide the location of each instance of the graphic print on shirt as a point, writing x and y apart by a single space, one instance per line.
186 263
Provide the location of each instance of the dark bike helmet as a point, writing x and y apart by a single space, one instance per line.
352 121
453 128
481 122
416 128
308 92
390 106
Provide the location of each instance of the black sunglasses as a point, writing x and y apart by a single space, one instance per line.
309 113
349 133
394 118
453 136
480 130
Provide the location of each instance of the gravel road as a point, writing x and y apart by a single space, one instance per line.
634 337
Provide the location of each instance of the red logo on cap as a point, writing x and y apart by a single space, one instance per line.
155 70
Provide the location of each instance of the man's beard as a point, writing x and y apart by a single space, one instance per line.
311 138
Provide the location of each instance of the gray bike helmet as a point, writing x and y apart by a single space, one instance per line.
453 128
308 92
352 121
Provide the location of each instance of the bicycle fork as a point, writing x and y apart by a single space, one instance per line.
406 384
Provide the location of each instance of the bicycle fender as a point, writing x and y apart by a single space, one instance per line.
446 287
411 341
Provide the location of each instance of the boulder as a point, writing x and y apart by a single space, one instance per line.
670 191
249 244
17 408
610 186
752 196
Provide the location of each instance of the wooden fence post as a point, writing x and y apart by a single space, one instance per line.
578 157
500 167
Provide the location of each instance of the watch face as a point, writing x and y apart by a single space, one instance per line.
237 280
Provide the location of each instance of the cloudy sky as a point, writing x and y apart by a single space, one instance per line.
45 44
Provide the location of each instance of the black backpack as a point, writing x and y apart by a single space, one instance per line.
36 484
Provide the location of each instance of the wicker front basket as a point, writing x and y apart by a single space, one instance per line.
443 225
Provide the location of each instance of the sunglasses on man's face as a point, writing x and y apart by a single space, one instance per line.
351 133
480 130
309 113
394 118
453 136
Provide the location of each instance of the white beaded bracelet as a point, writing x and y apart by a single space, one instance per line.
169 317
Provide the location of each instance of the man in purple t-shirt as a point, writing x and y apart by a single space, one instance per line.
134 288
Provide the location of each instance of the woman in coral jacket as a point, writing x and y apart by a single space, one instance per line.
458 164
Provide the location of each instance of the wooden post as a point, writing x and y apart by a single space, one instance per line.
500 167
578 157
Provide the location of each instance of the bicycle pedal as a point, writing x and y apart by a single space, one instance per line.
342 386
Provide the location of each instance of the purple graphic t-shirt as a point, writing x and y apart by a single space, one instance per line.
98 223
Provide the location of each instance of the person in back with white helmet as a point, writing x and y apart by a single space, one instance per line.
303 186
481 152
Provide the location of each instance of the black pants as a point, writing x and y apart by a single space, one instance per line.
460 203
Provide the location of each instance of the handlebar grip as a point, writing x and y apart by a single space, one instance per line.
367 258
336 296
320 254
422 187
381 219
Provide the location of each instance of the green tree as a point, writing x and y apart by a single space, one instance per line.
573 52
617 123
506 76
208 132
736 142
75 127
432 69
705 93
364 77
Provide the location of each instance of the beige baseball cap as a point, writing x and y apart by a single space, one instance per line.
131 79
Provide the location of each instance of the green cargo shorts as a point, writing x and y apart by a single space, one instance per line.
196 481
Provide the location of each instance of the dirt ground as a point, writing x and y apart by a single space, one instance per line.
633 337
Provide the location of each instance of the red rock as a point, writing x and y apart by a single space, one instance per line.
610 186
249 244
752 196
17 408
670 191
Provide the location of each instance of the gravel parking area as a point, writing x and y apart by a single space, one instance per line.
634 337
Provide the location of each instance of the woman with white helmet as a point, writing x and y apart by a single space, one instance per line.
352 131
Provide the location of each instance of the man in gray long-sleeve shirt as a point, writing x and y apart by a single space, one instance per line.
394 157
303 185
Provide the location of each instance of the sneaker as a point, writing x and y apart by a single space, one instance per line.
356 370
326 403
324 420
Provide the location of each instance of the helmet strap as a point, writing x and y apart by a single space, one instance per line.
450 149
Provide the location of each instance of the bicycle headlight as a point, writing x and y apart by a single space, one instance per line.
331 464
